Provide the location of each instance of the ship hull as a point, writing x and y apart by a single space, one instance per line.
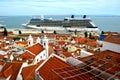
61 28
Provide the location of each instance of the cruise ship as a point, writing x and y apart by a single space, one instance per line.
68 24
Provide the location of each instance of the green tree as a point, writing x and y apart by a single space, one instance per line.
16 38
42 31
5 32
90 36
75 32
55 32
86 33
20 32
102 32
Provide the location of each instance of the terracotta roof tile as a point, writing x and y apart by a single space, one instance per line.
36 49
113 39
25 56
81 40
51 43
46 70
67 54
92 44
1 56
61 42
72 73
8 71
28 72
9 68
15 67
1 63
58 48
108 61
22 42
9 55
110 33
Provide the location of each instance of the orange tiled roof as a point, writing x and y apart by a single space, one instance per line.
28 72
91 44
1 56
25 56
80 40
51 43
113 39
115 56
109 33
1 63
36 49
57 69
22 42
58 48
107 61
46 70
72 73
61 42
9 55
10 69
67 54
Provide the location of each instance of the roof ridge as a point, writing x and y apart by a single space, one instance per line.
52 55
107 37
34 66
30 52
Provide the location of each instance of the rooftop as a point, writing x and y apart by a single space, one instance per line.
52 63
28 72
10 68
113 39
35 49
104 65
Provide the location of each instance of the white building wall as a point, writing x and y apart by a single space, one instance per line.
8 78
110 46
84 53
19 76
40 56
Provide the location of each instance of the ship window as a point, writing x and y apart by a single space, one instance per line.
38 25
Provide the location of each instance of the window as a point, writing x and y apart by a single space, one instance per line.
44 54
37 60
40 56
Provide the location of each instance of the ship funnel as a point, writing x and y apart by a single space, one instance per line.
84 16
72 16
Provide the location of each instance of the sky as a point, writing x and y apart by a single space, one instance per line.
59 7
